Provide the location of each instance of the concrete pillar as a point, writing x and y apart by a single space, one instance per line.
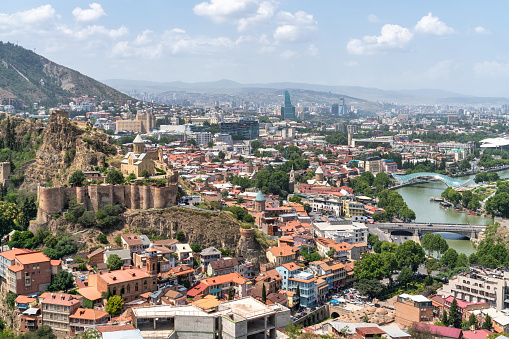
265 332
154 323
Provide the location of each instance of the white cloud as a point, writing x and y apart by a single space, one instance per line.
392 37
351 63
29 18
174 42
94 32
492 69
288 54
313 50
298 27
243 13
440 71
91 14
481 30
430 24
373 18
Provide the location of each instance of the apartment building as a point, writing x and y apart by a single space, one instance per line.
413 308
56 310
222 285
7 259
223 266
352 208
241 318
344 251
481 284
31 272
209 255
352 233
306 283
371 164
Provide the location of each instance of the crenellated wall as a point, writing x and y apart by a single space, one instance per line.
56 200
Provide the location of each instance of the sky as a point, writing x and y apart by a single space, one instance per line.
459 46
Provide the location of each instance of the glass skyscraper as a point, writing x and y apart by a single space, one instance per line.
288 111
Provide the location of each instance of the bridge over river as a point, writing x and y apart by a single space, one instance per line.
419 229
406 179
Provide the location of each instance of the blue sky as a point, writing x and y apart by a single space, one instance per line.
452 45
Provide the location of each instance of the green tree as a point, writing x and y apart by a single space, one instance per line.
77 179
102 238
196 248
115 177
114 262
210 144
487 324
293 331
454 314
371 267
63 281
445 319
87 219
144 173
115 305
264 293
472 321
180 236
410 254
405 276
372 288
449 258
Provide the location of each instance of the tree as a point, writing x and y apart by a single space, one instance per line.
87 219
264 294
131 177
192 142
221 155
449 258
293 331
464 165
102 238
487 324
370 267
210 144
240 200
410 254
115 177
445 319
114 262
115 305
297 294
372 288
180 236
472 321
454 314
295 198
196 248
144 173
431 265
224 194
77 178
63 281
405 276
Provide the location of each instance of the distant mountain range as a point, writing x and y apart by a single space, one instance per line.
29 77
415 97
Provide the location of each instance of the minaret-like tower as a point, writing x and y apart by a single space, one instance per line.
250 168
151 254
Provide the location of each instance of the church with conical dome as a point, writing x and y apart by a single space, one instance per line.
137 160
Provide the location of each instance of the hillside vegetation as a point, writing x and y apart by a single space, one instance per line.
32 78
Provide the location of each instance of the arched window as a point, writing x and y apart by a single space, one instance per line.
136 287
128 289
145 285
114 291
153 267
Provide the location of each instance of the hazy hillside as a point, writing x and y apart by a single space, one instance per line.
32 78
418 96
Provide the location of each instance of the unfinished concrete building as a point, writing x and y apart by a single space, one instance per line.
244 318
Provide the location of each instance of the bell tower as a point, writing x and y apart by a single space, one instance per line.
138 145
151 254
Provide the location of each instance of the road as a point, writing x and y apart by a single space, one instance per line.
373 229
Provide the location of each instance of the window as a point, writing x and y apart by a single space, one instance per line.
136 287
128 288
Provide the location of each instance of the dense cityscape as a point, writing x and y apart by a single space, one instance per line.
256 208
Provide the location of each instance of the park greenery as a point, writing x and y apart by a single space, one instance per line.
468 199
498 204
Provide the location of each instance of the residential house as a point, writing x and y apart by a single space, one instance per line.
209 255
305 283
413 309
287 271
31 272
85 319
124 254
223 266
222 285
56 310
30 320
184 254
134 242
96 257
282 255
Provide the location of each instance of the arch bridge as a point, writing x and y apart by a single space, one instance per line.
404 179
469 231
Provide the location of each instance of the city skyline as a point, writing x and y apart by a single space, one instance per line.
452 46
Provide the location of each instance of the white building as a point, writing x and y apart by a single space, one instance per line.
342 231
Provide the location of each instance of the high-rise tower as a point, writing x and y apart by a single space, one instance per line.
351 131
288 111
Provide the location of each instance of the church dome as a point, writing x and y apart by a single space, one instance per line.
138 140
319 170
259 196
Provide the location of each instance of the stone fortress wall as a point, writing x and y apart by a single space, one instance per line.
56 200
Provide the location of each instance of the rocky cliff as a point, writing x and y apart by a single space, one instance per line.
66 148
205 228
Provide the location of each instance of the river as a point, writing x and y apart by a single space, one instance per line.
426 211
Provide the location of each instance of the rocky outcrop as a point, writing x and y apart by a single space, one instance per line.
201 227
66 148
